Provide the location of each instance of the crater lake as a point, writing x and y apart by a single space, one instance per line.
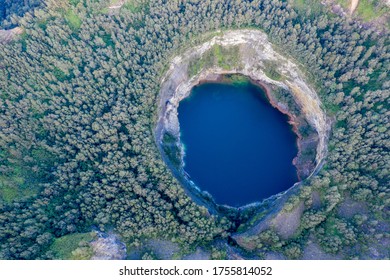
237 146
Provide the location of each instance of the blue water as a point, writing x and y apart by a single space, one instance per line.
238 147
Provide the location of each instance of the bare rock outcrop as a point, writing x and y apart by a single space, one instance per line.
107 247
8 35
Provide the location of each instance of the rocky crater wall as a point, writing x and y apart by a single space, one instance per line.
249 53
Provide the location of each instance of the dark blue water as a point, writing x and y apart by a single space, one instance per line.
238 147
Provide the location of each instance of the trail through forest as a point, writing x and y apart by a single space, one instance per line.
354 4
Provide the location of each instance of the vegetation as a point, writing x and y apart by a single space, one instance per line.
171 150
72 246
73 20
371 9
77 106
12 8
367 9
135 6
271 71
236 80
223 57
310 8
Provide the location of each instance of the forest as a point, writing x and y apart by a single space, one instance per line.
78 102
11 9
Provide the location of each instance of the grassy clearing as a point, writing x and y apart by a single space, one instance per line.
196 65
226 58
22 179
8 190
308 7
14 188
270 70
371 9
73 246
16 185
73 20
135 6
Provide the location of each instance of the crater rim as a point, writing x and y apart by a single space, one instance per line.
178 82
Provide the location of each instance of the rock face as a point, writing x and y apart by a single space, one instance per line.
249 53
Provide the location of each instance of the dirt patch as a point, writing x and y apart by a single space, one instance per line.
316 200
199 254
286 223
313 251
274 256
163 249
348 208
353 6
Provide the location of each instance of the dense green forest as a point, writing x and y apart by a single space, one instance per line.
78 102
11 9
